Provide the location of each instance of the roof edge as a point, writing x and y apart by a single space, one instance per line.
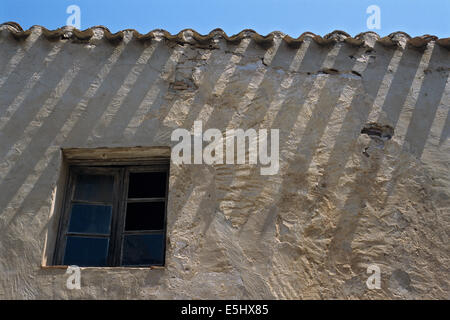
369 38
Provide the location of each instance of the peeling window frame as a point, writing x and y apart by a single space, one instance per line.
120 170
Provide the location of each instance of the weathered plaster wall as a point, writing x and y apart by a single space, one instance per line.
341 201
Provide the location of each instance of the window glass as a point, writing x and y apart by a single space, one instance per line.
88 218
86 252
145 216
147 185
94 188
143 249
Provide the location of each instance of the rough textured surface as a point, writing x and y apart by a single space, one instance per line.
343 199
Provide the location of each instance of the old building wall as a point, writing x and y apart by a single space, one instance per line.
342 200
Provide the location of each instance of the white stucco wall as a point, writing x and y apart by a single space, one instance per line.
341 201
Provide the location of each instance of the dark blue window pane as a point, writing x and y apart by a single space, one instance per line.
94 188
143 250
86 252
88 218
145 216
147 185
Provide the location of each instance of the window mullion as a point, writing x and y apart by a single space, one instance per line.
120 216
115 204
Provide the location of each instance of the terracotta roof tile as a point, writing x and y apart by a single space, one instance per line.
393 40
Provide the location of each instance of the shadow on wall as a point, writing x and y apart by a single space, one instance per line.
60 93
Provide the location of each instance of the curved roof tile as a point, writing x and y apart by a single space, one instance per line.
392 40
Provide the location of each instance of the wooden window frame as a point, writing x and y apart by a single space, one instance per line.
121 171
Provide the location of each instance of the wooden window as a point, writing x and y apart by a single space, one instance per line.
114 215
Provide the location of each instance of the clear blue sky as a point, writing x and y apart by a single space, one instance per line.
416 17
